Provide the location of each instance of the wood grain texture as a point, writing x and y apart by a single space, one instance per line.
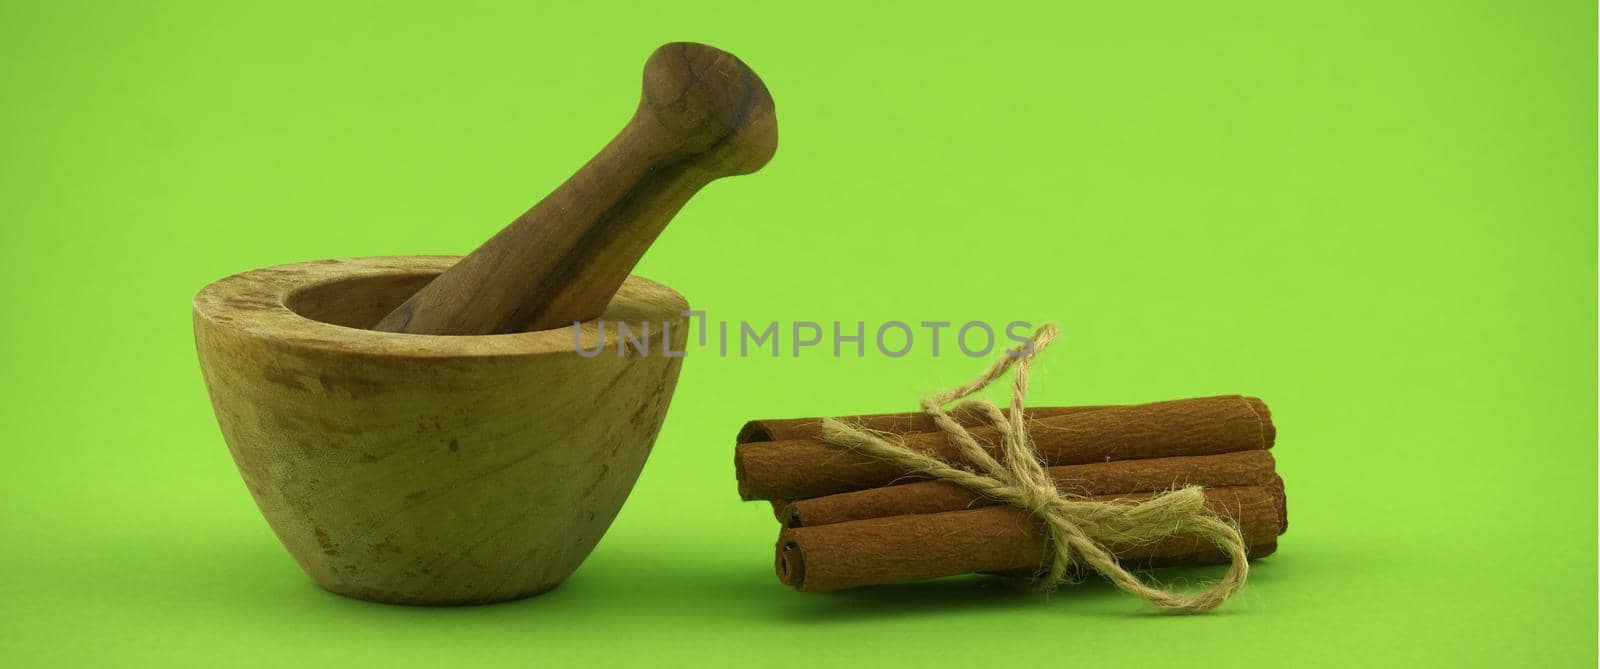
801 468
1244 468
703 115
999 539
426 469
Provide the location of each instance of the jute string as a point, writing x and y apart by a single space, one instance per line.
1079 529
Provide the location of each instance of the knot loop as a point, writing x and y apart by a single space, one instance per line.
1078 528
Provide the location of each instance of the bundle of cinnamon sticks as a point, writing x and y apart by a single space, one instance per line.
850 520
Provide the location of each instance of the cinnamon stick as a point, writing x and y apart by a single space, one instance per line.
783 429
800 468
992 539
1244 468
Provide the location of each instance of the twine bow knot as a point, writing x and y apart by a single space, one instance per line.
1079 529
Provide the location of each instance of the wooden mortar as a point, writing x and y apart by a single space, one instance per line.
424 469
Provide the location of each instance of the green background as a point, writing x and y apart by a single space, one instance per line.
1380 217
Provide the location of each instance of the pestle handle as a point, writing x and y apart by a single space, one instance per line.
703 115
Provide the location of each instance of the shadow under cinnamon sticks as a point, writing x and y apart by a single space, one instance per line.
969 593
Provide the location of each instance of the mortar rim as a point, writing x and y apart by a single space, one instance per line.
254 304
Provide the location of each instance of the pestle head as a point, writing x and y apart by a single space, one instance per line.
702 115
708 105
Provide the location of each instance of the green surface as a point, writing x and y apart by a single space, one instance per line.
1378 216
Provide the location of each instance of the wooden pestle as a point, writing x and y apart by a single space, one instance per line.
703 115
